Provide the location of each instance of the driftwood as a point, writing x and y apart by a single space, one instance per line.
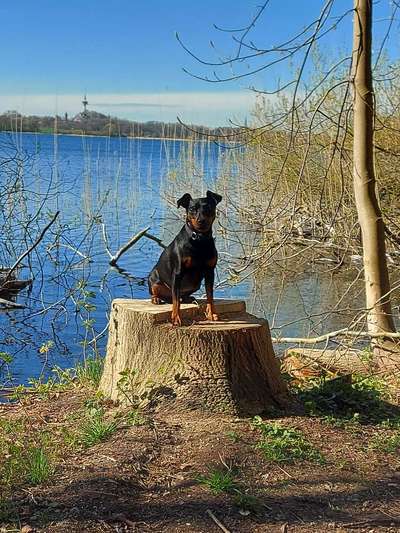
307 363
226 366
344 332
9 285
133 240
10 288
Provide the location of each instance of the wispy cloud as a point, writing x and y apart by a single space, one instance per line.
209 108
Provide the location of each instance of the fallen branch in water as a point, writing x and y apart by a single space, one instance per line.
143 233
8 304
340 332
155 239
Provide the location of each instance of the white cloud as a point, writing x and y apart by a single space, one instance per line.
209 108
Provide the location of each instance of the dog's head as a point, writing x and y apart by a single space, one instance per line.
200 212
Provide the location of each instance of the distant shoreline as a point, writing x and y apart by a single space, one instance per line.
103 136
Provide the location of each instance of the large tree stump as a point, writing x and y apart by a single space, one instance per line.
227 366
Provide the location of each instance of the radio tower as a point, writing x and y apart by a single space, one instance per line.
85 104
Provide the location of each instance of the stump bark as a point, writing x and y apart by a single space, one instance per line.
225 366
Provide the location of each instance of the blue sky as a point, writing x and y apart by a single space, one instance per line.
125 55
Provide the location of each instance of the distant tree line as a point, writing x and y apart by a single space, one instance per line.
94 123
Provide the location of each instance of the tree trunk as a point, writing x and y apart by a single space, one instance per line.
226 366
377 284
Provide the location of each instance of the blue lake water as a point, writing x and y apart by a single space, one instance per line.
127 185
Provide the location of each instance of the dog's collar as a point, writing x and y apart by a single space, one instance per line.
195 236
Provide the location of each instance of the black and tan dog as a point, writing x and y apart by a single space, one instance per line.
190 258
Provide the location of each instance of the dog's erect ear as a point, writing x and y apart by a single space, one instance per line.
184 201
214 196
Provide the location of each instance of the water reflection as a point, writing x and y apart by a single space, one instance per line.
123 185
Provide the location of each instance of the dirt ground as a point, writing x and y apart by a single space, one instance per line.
146 478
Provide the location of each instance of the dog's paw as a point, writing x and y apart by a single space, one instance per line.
156 301
211 314
176 320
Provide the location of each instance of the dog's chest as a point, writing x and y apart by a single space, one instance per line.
199 261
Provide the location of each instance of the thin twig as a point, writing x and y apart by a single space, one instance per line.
338 333
143 233
114 259
215 519
155 239
284 471
29 250
105 238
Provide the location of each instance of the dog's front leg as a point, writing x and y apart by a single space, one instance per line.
209 283
176 299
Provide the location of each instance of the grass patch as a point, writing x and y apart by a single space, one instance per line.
96 428
224 482
39 467
391 423
218 481
285 445
89 372
85 374
24 457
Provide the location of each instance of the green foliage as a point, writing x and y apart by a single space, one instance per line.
234 436
355 399
46 347
96 429
386 443
285 445
223 481
134 418
218 481
89 372
246 502
39 467
391 423
23 459
86 374
53 384
127 386
130 383
5 358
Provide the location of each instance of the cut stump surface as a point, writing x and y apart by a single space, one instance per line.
226 366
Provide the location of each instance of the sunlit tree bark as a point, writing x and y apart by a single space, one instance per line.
377 285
